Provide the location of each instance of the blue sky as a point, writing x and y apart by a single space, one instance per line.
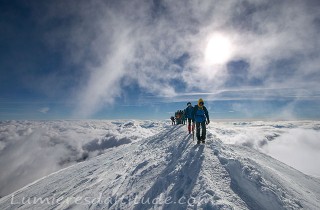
146 59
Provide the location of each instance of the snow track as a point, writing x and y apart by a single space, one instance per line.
168 171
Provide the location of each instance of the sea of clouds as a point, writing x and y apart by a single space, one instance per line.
30 150
295 143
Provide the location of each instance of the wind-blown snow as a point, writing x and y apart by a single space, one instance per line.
295 143
30 150
131 162
169 171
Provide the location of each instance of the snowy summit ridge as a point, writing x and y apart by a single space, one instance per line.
168 171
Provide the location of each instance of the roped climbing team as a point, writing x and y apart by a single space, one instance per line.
198 116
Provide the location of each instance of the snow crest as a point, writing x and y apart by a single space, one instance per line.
35 149
169 171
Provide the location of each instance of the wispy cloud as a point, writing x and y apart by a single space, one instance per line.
160 47
44 110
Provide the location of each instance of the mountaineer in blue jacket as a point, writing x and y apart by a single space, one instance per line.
189 115
201 117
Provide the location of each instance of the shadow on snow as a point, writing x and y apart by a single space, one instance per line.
175 183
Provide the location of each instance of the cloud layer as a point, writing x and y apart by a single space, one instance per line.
30 150
294 143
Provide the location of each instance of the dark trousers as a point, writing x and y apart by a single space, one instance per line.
203 126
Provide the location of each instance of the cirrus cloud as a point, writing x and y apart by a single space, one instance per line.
159 46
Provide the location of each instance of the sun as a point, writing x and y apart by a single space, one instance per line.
218 50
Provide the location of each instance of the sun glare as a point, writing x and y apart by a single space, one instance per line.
218 50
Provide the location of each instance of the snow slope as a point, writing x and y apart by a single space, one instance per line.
295 143
30 150
169 171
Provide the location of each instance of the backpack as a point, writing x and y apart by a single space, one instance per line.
199 114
